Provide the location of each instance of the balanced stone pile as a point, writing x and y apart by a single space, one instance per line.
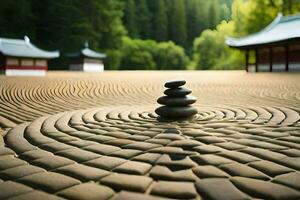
177 102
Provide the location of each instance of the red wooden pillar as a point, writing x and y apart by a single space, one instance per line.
247 60
271 58
256 60
287 57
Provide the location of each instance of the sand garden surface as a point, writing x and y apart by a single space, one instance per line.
96 136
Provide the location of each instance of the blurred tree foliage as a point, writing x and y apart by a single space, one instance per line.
178 23
160 22
210 50
142 34
147 54
64 24
130 19
170 56
16 19
177 20
138 54
253 15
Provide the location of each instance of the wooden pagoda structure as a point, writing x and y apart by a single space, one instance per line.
22 58
275 48
86 60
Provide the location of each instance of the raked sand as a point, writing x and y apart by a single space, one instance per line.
96 136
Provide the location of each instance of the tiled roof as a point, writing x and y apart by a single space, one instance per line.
87 52
24 48
283 28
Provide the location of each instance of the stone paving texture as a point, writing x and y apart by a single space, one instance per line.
96 136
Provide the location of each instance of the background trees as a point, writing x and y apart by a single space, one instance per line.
171 57
160 25
179 21
130 19
210 51
143 34
147 54
16 19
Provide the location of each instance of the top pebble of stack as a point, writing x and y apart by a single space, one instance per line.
175 84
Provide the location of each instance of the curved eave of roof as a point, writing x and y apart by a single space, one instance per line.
280 30
92 54
86 52
24 48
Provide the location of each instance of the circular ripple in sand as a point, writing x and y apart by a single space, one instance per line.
223 153
27 98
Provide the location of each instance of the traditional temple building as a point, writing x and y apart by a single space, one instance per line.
86 60
22 58
275 48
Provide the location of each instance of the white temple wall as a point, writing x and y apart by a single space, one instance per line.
93 67
263 67
251 68
22 72
294 67
278 67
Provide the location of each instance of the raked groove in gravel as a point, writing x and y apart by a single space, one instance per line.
96 136
94 154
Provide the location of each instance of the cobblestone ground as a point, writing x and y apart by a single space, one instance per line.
95 136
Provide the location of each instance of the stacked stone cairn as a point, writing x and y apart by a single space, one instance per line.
177 102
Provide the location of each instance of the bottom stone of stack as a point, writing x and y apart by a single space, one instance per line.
176 112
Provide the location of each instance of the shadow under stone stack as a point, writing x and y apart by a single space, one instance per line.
177 102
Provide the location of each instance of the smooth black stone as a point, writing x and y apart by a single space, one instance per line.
176 101
177 92
176 112
175 83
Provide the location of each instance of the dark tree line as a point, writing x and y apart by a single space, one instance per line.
64 24
176 20
142 34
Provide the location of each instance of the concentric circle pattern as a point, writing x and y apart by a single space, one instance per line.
244 143
25 99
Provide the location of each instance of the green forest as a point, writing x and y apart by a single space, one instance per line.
143 34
